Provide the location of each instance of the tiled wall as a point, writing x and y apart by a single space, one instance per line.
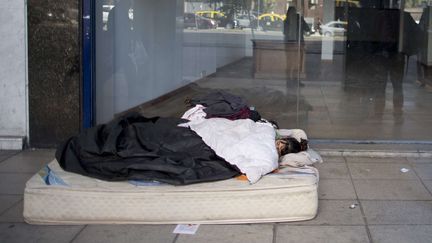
13 92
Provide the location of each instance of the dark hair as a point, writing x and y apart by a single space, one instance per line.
274 124
293 146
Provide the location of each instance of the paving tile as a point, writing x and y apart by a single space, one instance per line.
376 160
333 171
333 159
48 153
24 163
424 171
401 233
7 201
313 234
126 233
336 189
21 232
421 160
397 212
381 171
230 233
335 212
5 154
391 190
13 214
13 183
428 184
8 152
4 157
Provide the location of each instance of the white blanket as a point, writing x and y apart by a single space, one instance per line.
244 143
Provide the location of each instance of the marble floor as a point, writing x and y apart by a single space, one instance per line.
389 206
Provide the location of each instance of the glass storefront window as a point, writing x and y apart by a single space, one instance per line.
339 69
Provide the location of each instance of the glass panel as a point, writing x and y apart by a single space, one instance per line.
132 53
340 69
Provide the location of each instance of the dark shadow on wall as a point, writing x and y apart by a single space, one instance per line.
53 71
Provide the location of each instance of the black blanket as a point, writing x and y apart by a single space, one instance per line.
134 147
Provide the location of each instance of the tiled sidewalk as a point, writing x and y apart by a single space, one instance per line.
392 206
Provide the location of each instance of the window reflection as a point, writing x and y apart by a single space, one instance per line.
335 63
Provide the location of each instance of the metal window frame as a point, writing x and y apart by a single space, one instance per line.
88 63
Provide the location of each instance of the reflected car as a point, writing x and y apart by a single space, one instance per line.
221 19
271 21
193 21
347 3
210 14
333 28
243 21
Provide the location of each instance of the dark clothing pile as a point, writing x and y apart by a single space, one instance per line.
134 147
225 105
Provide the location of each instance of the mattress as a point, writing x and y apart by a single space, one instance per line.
290 194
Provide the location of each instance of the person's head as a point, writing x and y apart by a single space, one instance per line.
290 145
291 11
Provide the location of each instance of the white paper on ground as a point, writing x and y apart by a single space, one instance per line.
404 170
189 229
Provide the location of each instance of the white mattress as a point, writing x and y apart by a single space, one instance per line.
289 195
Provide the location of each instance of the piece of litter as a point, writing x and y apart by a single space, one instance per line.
404 170
189 229
353 206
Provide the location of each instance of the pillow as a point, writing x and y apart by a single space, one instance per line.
308 157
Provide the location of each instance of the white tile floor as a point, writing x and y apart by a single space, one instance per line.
392 206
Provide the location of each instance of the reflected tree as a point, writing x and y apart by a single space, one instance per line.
228 6
414 3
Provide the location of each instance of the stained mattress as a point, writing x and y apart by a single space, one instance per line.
291 194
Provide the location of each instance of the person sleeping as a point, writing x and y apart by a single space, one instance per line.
286 145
